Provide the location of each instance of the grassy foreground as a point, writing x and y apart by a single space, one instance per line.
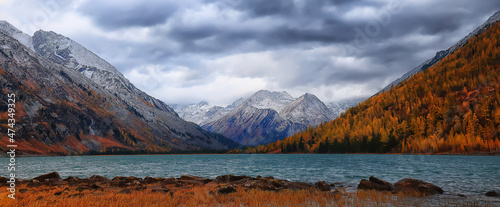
206 196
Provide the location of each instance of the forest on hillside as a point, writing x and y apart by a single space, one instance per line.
452 107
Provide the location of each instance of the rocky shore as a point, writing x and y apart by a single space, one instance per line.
221 190
223 184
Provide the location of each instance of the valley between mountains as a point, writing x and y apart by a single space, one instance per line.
73 102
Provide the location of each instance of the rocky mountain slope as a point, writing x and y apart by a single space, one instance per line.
444 53
72 102
308 110
249 125
269 116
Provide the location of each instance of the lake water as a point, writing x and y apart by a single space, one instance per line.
468 175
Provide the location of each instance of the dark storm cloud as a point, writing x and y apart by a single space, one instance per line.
120 14
294 17
330 32
310 8
204 30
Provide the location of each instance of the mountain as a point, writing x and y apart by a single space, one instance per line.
451 107
264 99
17 34
73 102
202 113
249 125
444 53
269 116
307 110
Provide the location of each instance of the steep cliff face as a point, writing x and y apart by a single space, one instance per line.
61 110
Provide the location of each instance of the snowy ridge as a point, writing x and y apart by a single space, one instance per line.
63 50
264 99
23 38
249 125
203 113
73 54
307 109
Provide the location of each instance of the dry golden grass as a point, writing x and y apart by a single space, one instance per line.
204 196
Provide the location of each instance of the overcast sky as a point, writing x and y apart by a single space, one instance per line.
187 51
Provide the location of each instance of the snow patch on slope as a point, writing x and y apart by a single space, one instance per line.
23 38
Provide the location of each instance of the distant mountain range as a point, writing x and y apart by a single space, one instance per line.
74 102
264 117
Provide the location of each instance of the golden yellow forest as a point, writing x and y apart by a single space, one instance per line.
452 107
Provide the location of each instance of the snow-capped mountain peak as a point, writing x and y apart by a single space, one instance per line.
63 50
264 99
307 109
17 34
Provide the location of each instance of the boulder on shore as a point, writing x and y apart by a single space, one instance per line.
409 186
298 186
374 183
492 194
323 186
98 178
227 189
48 176
123 182
195 178
230 178
151 180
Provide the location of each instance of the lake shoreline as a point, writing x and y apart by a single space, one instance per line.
202 153
223 190
471 176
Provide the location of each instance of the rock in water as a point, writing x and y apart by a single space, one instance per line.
375 184
492 194
409 185
52 175
381 182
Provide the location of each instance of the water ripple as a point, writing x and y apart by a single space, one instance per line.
470 175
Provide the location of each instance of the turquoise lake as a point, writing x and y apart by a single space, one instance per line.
468 175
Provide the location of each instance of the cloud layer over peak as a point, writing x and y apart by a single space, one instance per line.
217 51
